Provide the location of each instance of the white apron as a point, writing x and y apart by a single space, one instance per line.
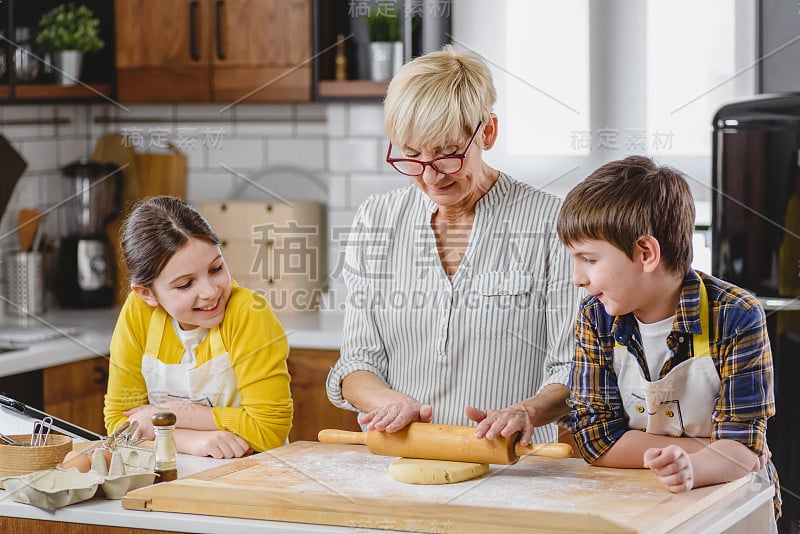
211 384
682 402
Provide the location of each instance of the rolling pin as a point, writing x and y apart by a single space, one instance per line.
445 442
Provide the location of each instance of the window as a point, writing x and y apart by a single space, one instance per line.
581 83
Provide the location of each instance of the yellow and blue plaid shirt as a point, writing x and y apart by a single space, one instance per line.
739 347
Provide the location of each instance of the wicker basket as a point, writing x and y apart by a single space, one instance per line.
16 460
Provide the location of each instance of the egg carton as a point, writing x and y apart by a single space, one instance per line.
127 469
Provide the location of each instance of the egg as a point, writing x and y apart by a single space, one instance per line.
107 455
77 460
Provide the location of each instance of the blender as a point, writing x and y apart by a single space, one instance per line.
93 193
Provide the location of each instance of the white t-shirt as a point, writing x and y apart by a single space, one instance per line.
654 344
190 340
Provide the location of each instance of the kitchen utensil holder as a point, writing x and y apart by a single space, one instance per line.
25 282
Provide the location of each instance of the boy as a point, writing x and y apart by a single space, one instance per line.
673 369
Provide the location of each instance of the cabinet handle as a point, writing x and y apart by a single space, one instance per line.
218 28
101 376
193 53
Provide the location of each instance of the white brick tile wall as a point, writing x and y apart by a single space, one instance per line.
339 191
40 155
237 153
366 119
337 120
213 112
78 122
70 149
308 153
196 156
341 144
264 111
353 155
208 186
263 129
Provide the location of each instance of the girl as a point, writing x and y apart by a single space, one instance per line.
191 341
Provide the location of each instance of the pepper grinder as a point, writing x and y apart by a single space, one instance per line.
341 59
166 452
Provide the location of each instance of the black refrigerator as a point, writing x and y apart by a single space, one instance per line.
755 244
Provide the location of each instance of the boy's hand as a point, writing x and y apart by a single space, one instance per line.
673 467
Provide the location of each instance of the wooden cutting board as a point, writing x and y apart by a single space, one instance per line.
346 485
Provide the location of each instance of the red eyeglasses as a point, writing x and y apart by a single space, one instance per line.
443 164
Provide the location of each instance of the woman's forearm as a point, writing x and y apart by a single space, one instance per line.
367 392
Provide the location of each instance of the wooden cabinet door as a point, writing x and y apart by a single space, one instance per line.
75 391
261 50
312 409
162 50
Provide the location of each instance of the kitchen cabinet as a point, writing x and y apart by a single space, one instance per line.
213 50
21 18
312 409
277 249
74 392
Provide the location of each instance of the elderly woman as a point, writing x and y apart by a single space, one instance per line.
460 303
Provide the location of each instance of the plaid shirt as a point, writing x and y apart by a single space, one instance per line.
739 347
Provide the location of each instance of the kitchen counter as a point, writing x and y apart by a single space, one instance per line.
105 513
307 330
739 509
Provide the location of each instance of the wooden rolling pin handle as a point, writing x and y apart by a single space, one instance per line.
551 450
332 435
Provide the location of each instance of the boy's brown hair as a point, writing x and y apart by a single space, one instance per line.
629 198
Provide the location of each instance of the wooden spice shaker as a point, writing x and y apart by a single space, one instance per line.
166 452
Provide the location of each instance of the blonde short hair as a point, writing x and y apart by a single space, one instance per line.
438 97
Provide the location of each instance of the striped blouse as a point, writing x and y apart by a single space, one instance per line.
494 334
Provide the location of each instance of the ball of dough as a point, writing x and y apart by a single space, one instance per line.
418 471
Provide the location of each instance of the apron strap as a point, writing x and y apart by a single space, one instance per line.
155 331
217 346
700 342
701 345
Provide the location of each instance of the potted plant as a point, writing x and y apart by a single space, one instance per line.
385 49
69 31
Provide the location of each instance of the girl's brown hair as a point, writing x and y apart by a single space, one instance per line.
629 198
154 231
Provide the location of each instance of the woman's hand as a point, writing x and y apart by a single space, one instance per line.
673 466
397 415
214 443
506 422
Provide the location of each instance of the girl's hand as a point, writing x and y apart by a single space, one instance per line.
142 415
214 443
506 422
396 416
673 467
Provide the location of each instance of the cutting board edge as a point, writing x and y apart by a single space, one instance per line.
426 517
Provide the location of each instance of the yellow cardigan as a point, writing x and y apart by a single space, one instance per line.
258 350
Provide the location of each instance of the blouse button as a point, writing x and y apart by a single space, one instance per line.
669 413
640 409
680 339
643 429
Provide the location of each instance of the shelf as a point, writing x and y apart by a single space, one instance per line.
352 89
36 91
